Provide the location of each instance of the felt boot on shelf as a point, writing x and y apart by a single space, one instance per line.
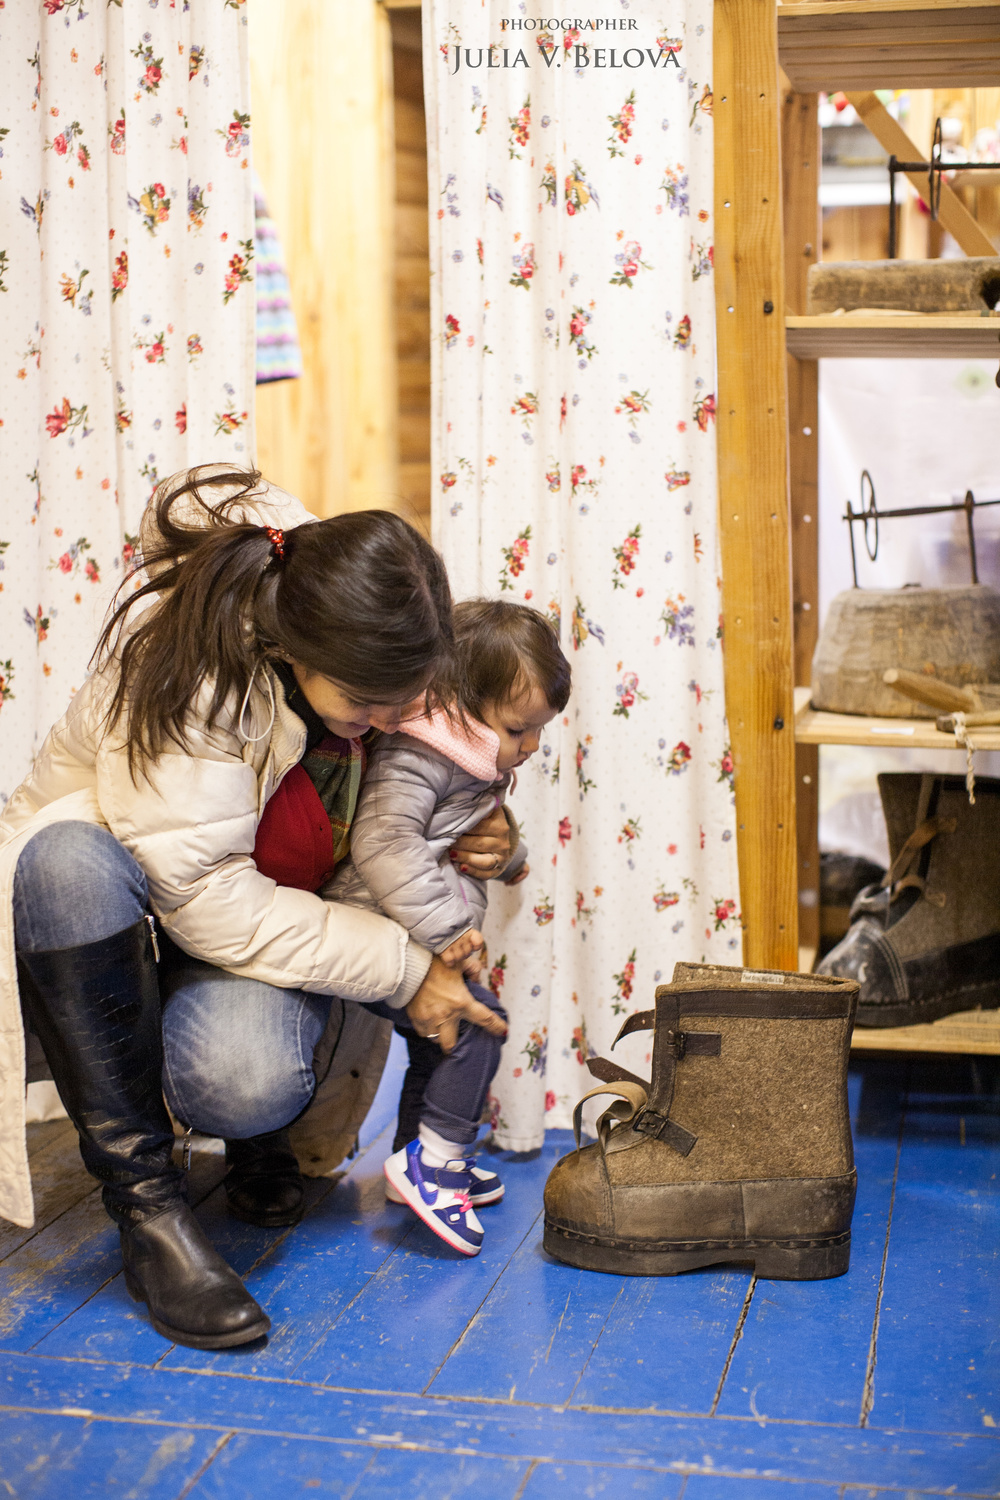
96 1010
264 1185
925 941
739 1149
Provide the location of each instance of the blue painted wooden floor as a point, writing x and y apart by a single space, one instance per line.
397 1369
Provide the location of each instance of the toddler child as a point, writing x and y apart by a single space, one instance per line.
432 781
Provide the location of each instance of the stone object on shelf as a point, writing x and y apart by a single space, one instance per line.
952 634
922 286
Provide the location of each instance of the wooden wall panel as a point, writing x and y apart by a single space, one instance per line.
321 99
412 270
753 474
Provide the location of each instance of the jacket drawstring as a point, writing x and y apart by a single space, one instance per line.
253 739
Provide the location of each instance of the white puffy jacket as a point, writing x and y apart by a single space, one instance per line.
192 825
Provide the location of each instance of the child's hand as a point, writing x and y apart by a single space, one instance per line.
522 874
456 953
472 968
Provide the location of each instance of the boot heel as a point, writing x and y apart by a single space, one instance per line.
133 1288
811 1263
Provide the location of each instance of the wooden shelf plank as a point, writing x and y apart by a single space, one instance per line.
893 336
976 1031
815 726
875 44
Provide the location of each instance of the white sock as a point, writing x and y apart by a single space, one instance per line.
437 1151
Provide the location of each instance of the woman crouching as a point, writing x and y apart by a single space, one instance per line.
167 857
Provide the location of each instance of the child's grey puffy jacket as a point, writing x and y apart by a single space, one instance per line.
414 803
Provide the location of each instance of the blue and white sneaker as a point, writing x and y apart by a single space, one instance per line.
486 1188
441 1196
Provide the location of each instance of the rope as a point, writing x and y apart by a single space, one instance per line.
962 739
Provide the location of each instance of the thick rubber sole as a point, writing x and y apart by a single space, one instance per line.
195 1340
772 1260
393 1195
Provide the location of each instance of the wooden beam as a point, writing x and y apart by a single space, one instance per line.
801 152
888 335
874 44
891 136
753 474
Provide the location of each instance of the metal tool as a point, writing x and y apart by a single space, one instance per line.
869 515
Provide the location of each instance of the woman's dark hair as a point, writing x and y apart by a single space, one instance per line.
503 648
361 598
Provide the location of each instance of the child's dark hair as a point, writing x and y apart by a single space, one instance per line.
503 648
361 598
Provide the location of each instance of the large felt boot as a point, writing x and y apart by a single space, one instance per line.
925 941
738 1150
96 1009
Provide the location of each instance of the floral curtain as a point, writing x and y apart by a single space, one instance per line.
574 462
126 249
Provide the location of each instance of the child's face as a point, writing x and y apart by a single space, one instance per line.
519 723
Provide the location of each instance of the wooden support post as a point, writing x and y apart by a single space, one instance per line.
800 163
753 474
953 213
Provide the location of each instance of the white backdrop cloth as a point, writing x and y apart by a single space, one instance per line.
126 232
574 468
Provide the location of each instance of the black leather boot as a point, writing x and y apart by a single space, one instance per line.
96 1010
264 1185
925 941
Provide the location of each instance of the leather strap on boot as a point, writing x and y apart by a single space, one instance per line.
96 1011
670 1046
631 1100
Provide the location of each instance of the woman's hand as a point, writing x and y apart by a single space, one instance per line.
442 1001
485 851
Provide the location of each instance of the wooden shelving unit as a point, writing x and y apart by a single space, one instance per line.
876 44
975 1031
856 46
816 727
893 336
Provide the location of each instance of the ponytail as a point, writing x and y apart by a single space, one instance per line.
361 598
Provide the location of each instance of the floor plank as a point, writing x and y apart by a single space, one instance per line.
827 1323
778 1450
937 1356
45 1133
666 1343
58 1271
51 1457
248 1467
402 1327
439 1476
534 1334
563 1481
317 1272
59 1181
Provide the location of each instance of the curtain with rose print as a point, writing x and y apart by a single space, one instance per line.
574 468
126 249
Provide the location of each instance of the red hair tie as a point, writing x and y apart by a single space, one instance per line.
277 539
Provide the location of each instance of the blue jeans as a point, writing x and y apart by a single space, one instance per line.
237 1053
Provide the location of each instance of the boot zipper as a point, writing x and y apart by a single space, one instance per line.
152 933
186 1150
